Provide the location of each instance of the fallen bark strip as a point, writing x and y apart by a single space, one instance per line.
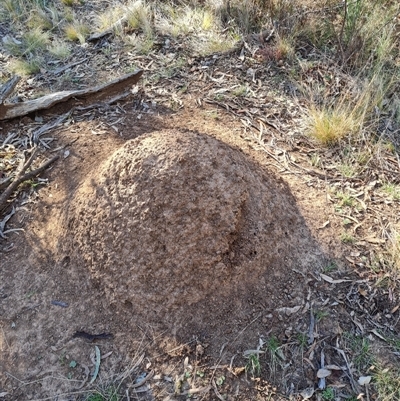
8 111
22 176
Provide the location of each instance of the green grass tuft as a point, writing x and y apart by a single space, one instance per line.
76 31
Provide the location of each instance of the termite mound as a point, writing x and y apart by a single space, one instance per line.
176 218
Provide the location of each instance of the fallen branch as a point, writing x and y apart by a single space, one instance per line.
8 111
22 176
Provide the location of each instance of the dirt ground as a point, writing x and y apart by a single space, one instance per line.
163 345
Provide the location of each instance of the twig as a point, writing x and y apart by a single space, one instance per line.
21 176
217 393
350 375
4 222
311 328
340 38
65 67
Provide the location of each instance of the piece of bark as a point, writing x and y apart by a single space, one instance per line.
97 93
8 88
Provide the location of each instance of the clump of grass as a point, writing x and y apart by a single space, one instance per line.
213 43
330 125
284 49
139 16
202 25
20 11
330 267
243 16
108 394
208 21
68 15
273 347
14 46
26 67
352 114
31 42
394 341
345 199
302 340
387 261
144 45
179 21
187 20
10 10
392 190
109 18
387 383
347 238
77 31
68 3
240 91
60 49
35 40
321 314
38 19
347 170
367 33
253 366
328 394
361 351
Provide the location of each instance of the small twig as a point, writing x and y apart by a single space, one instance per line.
65 67
15 378
350 375
217 393
311 328
340 38
367 392
4 222
64 146
21 176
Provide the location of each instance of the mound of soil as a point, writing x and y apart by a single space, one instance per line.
178 226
